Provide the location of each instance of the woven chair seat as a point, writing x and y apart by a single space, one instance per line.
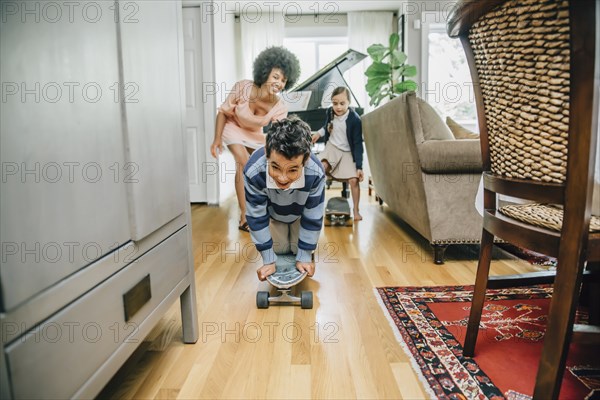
547 216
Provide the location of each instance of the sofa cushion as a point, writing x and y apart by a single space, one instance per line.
459 131
434 127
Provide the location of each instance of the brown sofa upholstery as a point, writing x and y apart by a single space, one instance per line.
423 174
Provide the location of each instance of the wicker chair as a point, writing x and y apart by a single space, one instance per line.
536 87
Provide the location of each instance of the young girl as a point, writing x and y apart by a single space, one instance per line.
252 105
343 154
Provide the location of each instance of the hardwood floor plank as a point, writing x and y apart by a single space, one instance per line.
409 384
154 381
166 394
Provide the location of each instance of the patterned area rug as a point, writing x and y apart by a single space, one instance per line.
430 323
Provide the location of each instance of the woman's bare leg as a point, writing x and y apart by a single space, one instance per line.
241 156
355 188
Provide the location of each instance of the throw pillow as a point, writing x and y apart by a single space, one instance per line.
459 131
433 125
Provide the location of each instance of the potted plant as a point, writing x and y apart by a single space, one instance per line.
385 75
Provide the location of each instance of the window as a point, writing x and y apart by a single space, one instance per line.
448 84
315 52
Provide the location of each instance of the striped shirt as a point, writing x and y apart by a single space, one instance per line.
262 204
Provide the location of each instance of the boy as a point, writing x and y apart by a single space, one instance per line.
285 196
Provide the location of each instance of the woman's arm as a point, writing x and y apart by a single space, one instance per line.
226 110
217 144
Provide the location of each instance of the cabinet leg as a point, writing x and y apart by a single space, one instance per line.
189 314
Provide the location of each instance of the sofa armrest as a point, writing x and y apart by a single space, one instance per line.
450 156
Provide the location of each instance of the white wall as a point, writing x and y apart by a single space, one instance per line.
317 25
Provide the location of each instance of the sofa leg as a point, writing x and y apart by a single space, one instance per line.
438 253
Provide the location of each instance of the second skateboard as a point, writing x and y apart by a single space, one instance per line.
337 212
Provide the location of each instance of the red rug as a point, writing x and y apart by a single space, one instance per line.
431 323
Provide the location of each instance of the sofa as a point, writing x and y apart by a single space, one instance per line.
424 175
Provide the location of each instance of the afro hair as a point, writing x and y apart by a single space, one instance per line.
276 57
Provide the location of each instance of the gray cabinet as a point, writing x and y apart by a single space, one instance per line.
95 224
151 72
62 145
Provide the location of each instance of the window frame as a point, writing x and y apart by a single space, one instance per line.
318 41
435 22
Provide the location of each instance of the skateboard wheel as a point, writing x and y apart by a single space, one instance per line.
262 300
306 300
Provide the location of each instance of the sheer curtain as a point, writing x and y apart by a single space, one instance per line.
258 31
364 29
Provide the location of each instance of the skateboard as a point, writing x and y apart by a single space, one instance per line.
285 277
337 212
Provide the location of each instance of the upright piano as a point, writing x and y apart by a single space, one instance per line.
310 99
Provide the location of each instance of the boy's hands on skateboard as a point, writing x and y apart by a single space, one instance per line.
265 270
307 267
270 269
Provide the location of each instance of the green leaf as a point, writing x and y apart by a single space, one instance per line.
373 86
397 58
394 40
378 71
409 70
377 52
386 71
383 95
405 86
375 100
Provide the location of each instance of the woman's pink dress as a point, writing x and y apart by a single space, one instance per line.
241 125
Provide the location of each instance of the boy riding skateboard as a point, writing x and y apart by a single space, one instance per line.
285 192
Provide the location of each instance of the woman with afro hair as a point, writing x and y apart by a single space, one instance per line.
249 107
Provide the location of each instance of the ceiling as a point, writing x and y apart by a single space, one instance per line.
342 6
303 6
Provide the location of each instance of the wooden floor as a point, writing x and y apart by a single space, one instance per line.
343 348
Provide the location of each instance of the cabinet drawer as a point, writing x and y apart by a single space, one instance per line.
55 358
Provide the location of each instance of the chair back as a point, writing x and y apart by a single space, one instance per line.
532 62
